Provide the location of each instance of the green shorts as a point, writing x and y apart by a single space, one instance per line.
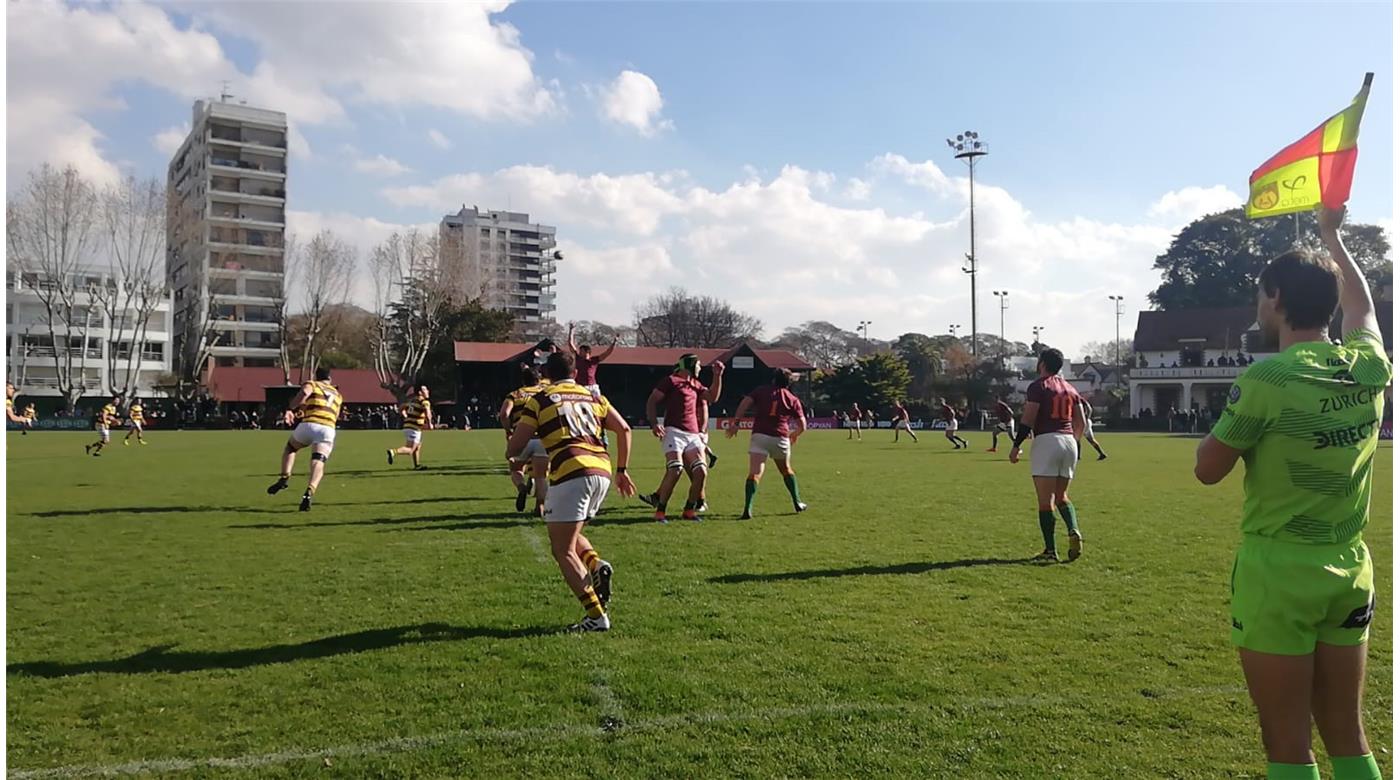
1286 597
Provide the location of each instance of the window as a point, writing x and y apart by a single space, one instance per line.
153 350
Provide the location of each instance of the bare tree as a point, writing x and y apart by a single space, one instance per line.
594 332
411 296
677 319
50 231
133 214
291 267
203 337
326 270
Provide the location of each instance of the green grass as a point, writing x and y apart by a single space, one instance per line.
162 607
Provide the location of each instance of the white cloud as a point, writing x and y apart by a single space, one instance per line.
169 140
379 165
436 138
634 100
1186 204
857 189
65 63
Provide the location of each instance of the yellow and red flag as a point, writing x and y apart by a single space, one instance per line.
1315 169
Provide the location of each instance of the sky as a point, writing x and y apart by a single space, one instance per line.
789 158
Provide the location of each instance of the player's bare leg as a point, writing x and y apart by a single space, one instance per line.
418 456
995 434
521 481
694 463
564 543
756 463
599 571
674 466
1282 688
909 429
289 461
540 471
1095 444
319 454
1339 678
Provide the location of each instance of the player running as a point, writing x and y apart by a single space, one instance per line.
1088 410
569 420
25 419
1006 422
1306 423
315 409
417 414
1053 413
30 415
901 422
534 455
853 419
950 423
773 405
106 418
682 442
136 423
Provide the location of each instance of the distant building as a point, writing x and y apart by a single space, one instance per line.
31 349
513 261
225 229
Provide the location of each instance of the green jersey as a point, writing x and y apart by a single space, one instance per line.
1308 421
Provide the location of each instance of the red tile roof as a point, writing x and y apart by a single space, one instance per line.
231 383
486 352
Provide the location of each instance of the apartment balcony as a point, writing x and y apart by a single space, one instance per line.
245 326
1195 372
244 169
246 222
225 350
252 146
224 272
216 245
276 196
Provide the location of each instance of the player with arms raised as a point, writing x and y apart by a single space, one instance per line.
1306 423
1053 413
417 413
1006 422
315 410
569 420
773 405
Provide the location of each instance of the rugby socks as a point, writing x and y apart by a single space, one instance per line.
791 481
590 559
1294 772
1355 768
1047 528
1070 516
750 490
590 602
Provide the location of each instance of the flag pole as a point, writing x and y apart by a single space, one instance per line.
1297 231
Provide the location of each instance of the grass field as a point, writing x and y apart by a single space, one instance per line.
167 617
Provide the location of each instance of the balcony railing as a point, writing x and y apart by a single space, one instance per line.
1194 372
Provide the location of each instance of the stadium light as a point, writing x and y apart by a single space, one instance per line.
864 328
1037 330
969 148
1117 329
1002 296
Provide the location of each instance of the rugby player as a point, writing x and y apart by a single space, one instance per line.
901 422
950 420
26 419
853 419
314 409
1053 413
682 443
587 371
1006 422
569 420
106 418
1089 428
773 405
417 414
136 420
534 454
1306 423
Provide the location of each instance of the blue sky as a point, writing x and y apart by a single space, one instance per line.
806 140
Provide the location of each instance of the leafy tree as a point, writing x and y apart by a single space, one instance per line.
1216 260
875 381
924 357
469 321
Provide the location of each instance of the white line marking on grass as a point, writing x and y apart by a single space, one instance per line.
567 731
535 544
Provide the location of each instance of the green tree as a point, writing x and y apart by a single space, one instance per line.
875 381
467 322
1216 260
924 358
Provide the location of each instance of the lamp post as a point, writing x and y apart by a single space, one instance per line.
953 330
864 328
1037 330
1117 326
969 149
1002 296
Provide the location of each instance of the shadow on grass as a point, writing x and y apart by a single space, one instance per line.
397 471
148 510
919 567
163 660
502 518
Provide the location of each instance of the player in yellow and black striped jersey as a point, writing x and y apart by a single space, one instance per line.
107 417
25 420
534 455
315 410
570 421
136 416
417 413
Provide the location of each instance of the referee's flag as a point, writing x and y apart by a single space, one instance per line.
1315 169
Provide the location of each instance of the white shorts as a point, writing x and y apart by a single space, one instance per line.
677 440
1006 427
775 447
314 434
902 425
1088 427
412 436
135 426
952 427
575 500
1054 455
105 434
595 390
535 449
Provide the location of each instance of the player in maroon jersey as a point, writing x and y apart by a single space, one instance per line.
853 419
1006 422
682 438
901 422
1089 428
773 405
1054 414
950 423
586 370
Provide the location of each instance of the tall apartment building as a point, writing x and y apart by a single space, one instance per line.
513 259
226 228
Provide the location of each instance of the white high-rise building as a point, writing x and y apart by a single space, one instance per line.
226 232
513 259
